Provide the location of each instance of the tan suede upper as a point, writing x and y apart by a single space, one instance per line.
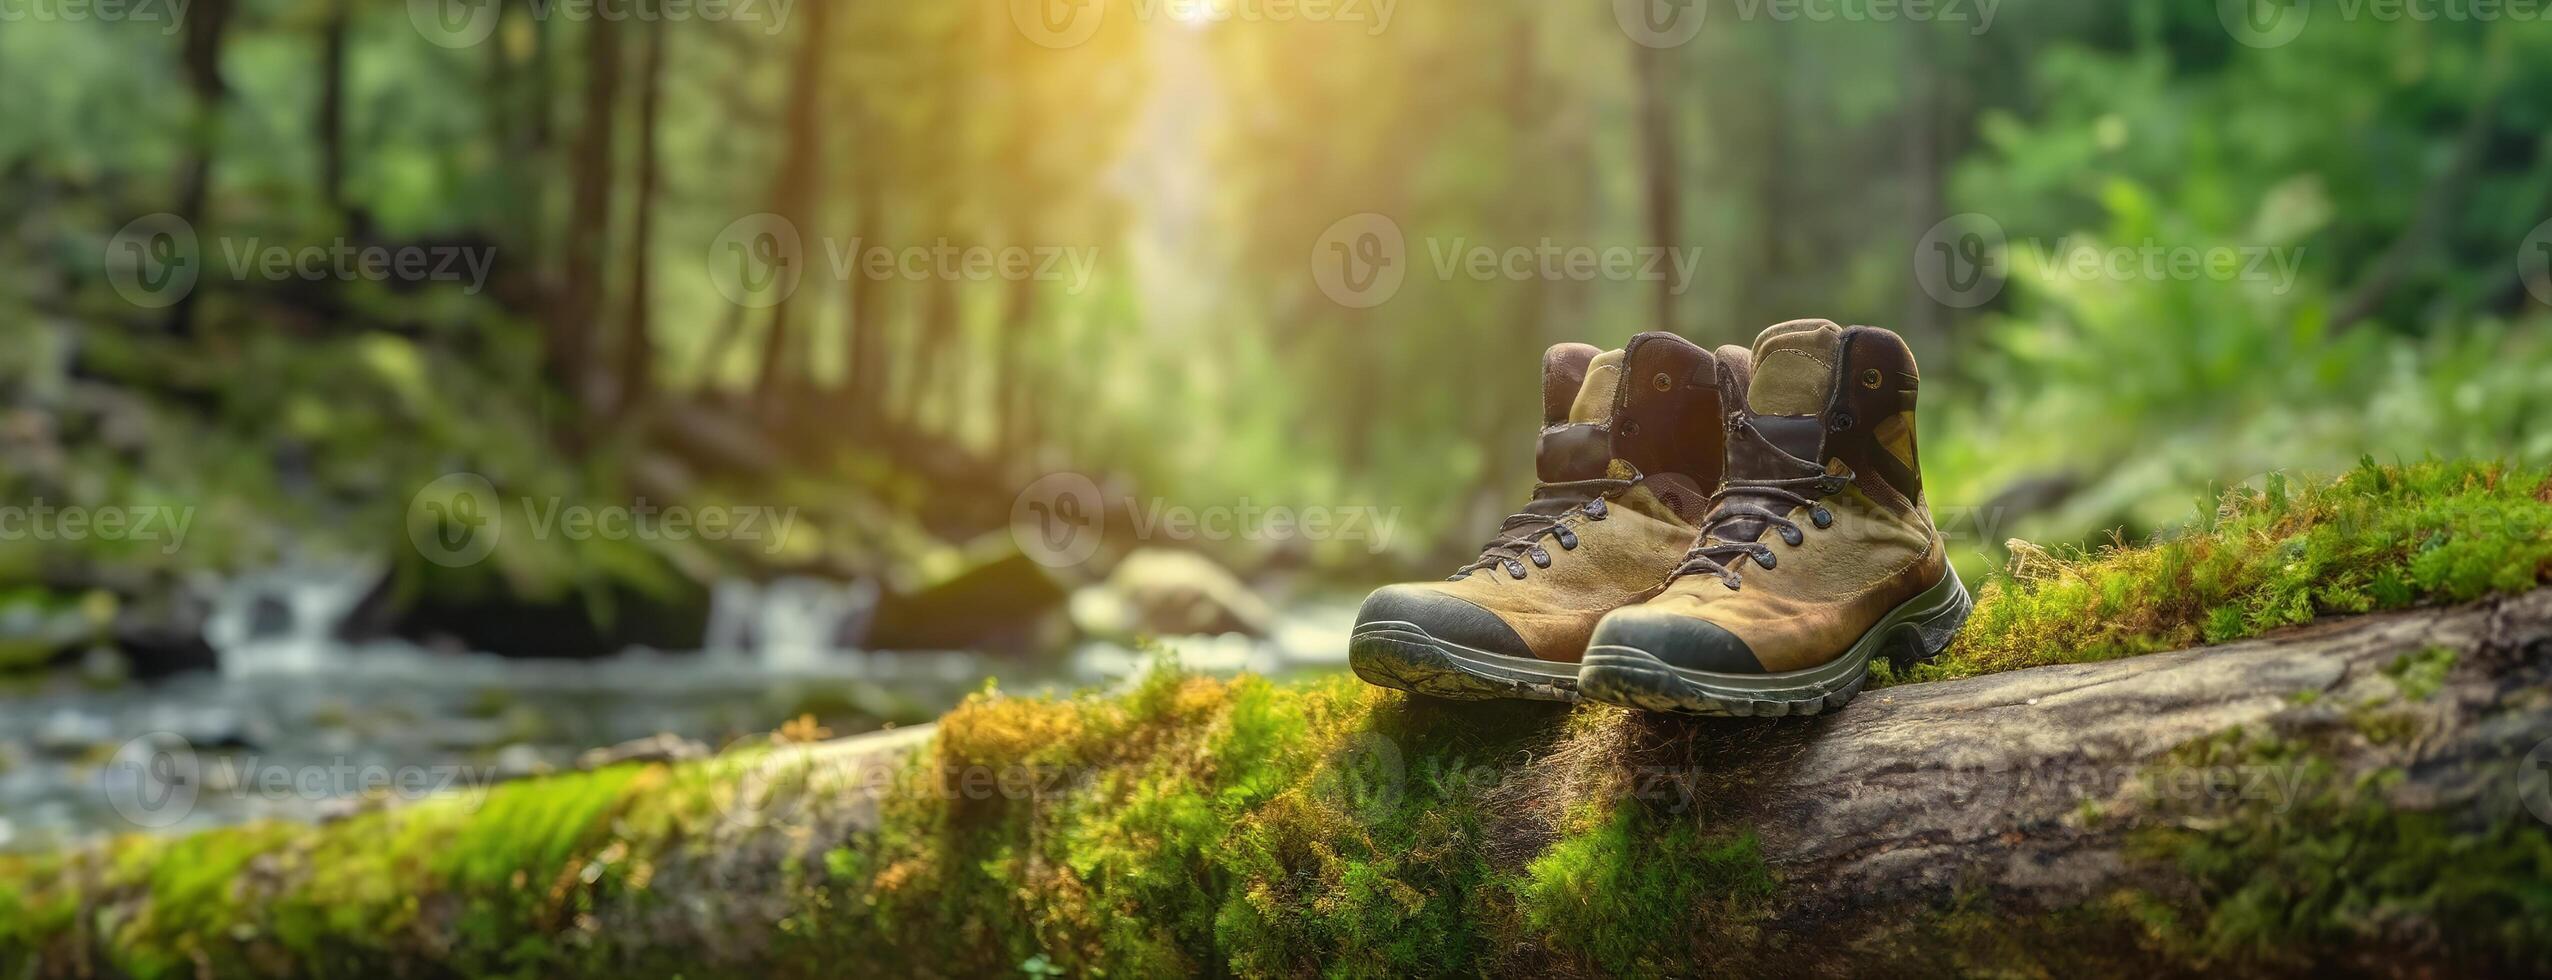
1620 559
1820 595
1823 593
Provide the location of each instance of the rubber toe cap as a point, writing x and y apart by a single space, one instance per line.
1680 641
1444 617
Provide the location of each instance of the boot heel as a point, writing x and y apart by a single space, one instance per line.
1928 634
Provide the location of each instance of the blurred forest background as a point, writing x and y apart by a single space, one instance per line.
1197 155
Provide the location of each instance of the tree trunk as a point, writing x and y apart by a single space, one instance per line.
332 113
587 238
793 192
637 344
202 59
1655 69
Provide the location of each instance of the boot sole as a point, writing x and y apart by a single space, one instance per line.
1404 656
1916 630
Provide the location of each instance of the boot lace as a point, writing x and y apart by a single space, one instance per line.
1743 510
1545 516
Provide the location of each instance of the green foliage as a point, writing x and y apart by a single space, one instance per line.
2378 537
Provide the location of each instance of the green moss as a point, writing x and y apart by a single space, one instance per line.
2378 537
2420 675
2281 880
1642 895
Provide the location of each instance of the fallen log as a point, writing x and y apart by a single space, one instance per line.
2365 794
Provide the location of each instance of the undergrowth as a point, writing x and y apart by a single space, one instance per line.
2281 554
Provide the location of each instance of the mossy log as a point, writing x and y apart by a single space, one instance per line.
2353 794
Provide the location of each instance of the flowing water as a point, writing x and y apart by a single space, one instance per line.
297 721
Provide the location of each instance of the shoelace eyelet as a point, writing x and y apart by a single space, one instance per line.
1514 569
1766 558
1568 542
1595 508
1733 581
1541 558
1791 536
1824 519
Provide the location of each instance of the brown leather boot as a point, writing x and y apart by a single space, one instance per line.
1630 444
1817 554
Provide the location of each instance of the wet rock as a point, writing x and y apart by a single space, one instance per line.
66 732
1001 602
1159 592
659 747
520 761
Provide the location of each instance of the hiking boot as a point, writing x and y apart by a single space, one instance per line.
1818 551
1630 443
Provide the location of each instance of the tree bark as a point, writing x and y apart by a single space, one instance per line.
637 345
587 239
1656 82
793 192
332 112
202 61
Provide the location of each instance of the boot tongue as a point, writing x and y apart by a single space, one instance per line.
1579 445
1793 381
1794 367
1595 398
